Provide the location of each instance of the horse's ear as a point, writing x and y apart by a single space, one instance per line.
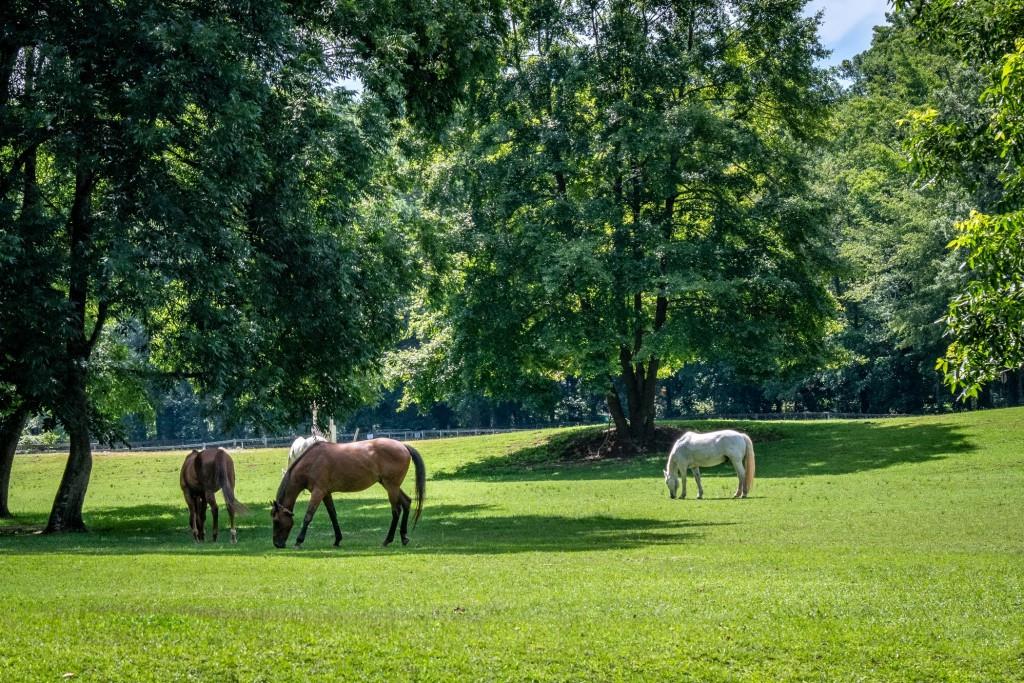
273 505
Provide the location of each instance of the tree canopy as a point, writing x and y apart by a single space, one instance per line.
628 196
986 319
194 171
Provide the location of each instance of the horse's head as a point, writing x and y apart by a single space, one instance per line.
672 482
283 519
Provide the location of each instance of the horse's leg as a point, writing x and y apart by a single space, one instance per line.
394 497
211 498
231 508
333 514
314 500
231 521
682 479
406 503
193 516
201 507
741 491
700 489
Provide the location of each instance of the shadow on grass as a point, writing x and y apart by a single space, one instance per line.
444 529
787 450
782 450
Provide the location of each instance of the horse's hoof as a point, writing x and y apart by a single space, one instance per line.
405 540
298 546
387 542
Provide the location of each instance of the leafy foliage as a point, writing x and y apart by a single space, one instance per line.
985 321
631 197
895 277
194 170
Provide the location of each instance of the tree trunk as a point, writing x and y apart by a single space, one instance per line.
10 431
648 394
635 429
66 514
618 416
670 410
985 397
637 413
639 381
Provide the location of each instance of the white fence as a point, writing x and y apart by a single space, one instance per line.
767 417
279 441
422 434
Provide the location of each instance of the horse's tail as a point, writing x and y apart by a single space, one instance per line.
224 472
421 482
749 464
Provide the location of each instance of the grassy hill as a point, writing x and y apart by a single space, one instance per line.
870 550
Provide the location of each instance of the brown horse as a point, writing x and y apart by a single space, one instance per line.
202 474
329 467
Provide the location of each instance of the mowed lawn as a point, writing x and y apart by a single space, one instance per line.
870 550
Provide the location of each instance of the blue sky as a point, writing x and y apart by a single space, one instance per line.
846 26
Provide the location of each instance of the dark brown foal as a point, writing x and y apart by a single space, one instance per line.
327 467
202 474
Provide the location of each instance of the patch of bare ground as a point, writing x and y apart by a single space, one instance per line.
605 444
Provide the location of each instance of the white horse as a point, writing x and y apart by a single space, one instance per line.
300 446
693 451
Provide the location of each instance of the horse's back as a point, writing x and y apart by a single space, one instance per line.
711 448
205 464
355 466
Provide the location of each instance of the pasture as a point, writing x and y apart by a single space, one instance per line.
868 550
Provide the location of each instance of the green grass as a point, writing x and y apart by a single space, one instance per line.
883 550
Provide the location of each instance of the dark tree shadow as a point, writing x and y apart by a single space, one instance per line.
847 447
444 529
782 450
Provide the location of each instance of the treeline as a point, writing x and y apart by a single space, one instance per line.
918 140
529 213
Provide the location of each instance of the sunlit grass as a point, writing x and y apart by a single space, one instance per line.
884 550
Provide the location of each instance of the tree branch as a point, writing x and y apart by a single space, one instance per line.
12 174
101 318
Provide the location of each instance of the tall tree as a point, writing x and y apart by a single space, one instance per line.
192 169
633 198
895 277
986 320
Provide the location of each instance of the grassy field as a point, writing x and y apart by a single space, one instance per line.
870 550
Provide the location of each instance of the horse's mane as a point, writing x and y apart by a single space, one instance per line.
287 478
